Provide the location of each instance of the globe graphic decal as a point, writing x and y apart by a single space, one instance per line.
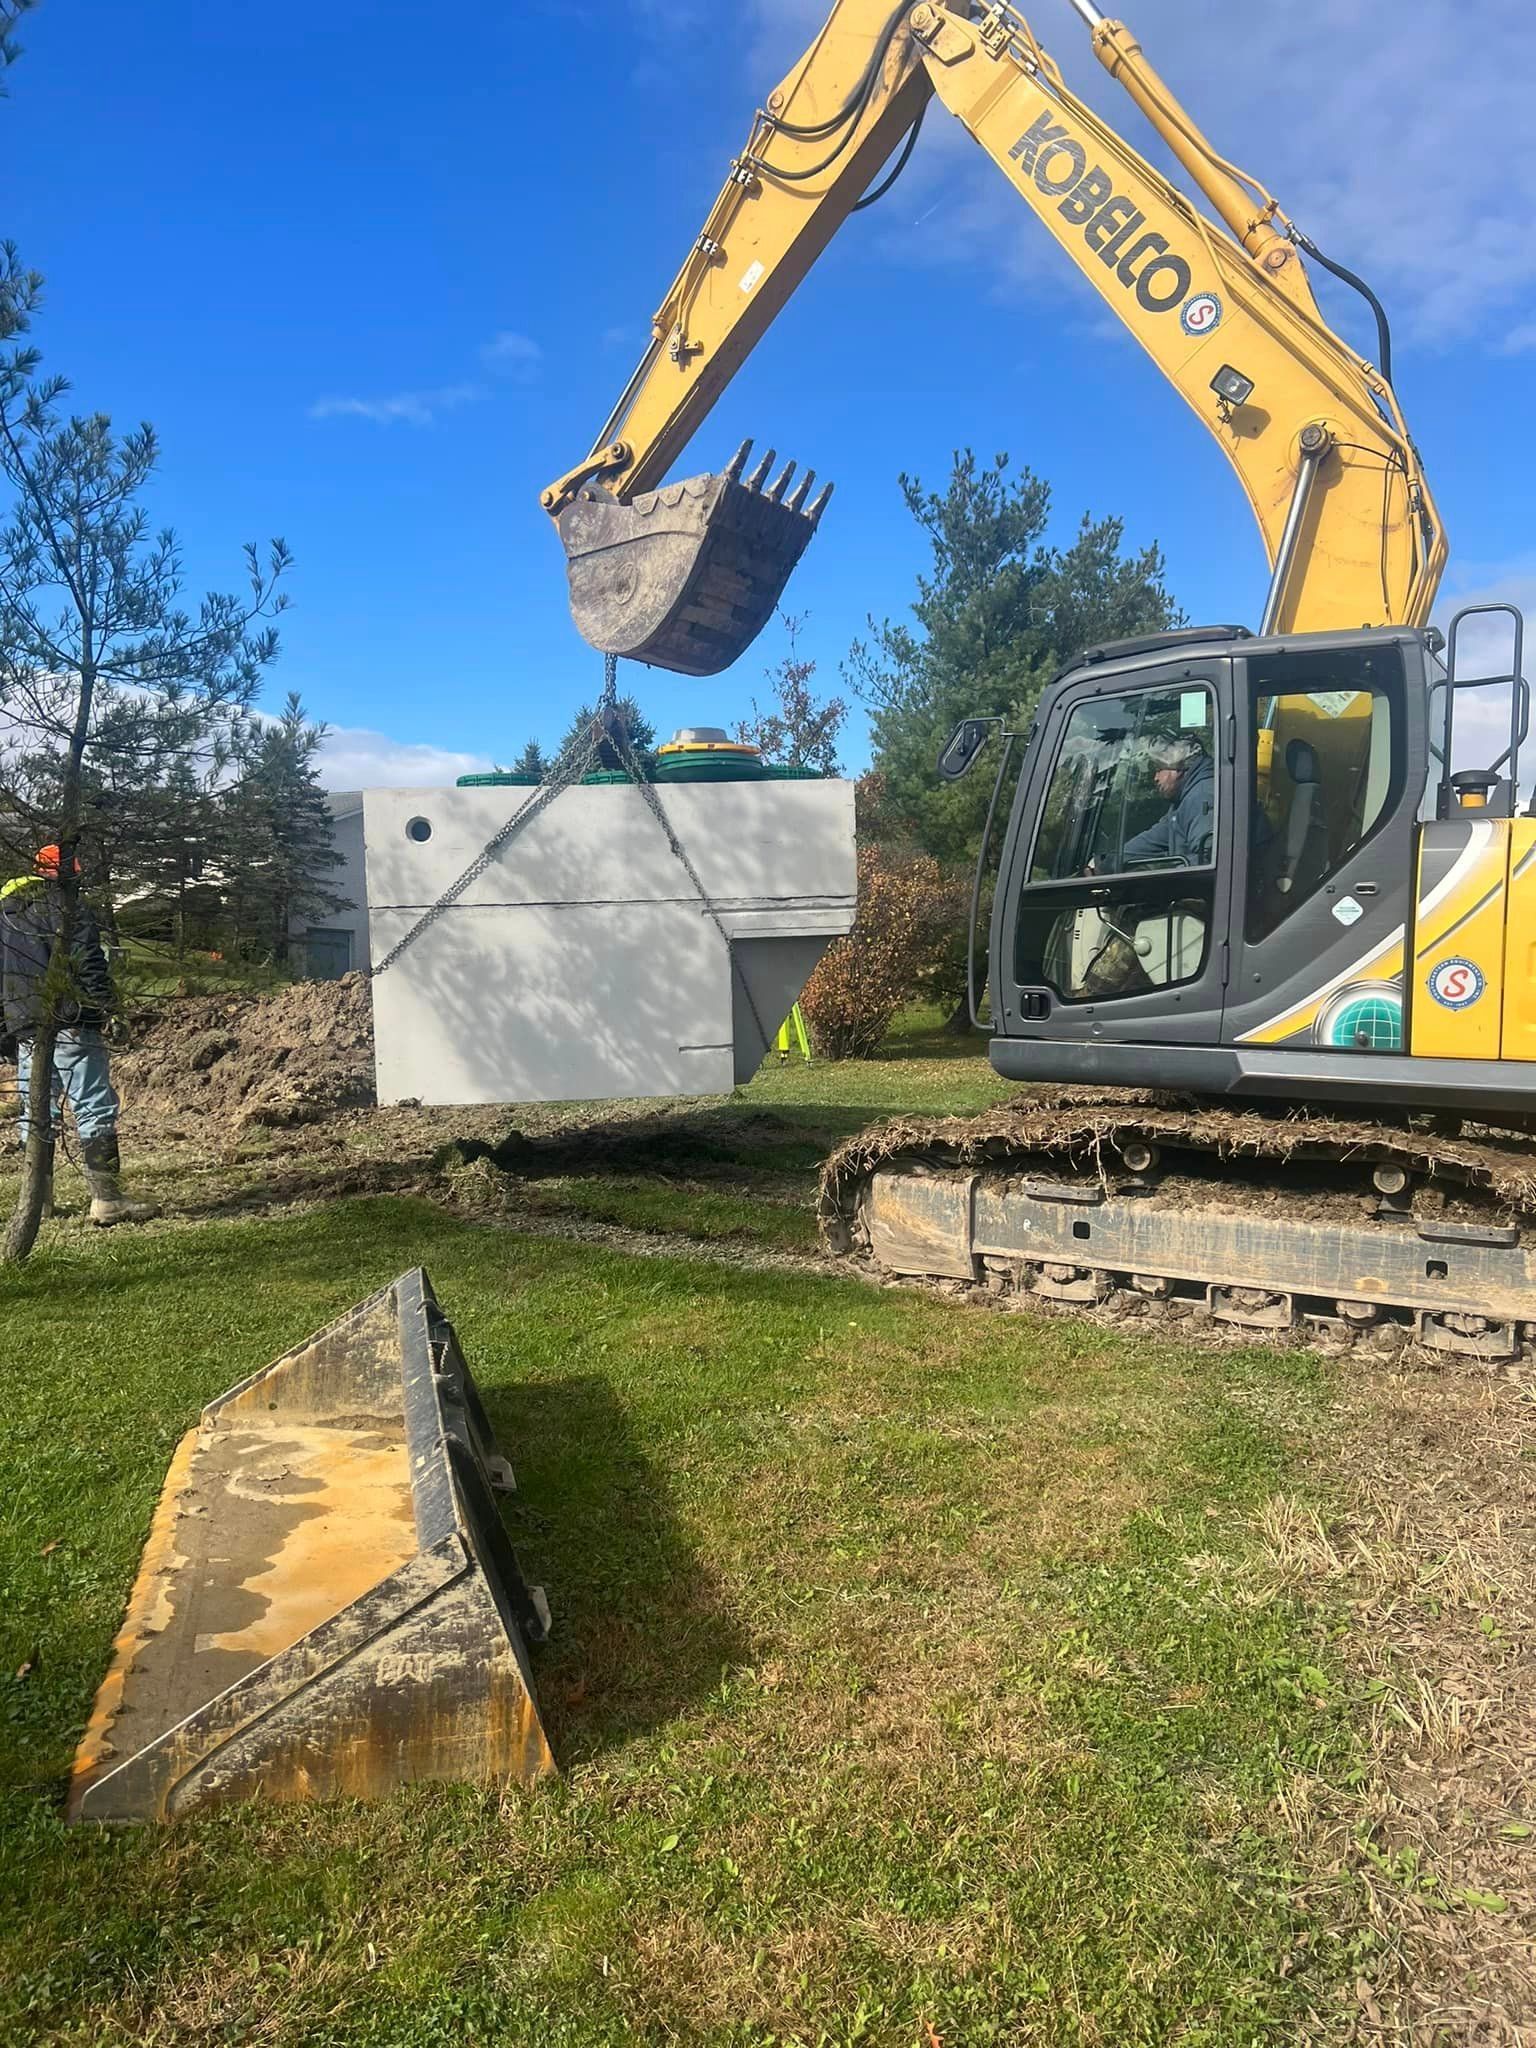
1365 1018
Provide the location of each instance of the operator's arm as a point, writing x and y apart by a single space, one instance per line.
1155 843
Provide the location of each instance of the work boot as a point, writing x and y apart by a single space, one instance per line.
109 1204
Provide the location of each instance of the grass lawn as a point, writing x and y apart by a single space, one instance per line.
744 1167
915 1676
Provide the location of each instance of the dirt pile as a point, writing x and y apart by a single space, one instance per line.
290 1057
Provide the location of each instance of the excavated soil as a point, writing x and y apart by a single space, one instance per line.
294 1056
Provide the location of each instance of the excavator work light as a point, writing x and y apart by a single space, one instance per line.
1232 386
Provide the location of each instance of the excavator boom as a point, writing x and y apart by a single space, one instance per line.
685 575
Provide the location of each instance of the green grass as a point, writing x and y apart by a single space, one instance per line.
150 968
900 1679
744 1168
921 1069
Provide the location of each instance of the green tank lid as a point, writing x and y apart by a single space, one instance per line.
727 768
671 768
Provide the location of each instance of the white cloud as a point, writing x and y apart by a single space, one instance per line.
1484 648
514 358
409 408
513 355
1485 644
354 757
1404 147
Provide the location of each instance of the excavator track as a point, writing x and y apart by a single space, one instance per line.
1262 1222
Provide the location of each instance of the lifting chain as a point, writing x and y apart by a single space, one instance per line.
569 770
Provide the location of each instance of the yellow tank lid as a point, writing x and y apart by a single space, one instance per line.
707 739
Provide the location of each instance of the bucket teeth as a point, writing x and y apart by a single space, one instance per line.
777 488
802 491
756 480
821 504
738 461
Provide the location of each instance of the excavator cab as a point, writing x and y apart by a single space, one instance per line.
1242 872
1228 855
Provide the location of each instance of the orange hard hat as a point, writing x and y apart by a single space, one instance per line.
48 858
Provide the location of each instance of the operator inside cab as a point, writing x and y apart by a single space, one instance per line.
1186 781
1184 777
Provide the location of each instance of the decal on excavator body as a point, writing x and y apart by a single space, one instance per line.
1110 221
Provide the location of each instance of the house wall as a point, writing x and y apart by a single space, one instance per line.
349 881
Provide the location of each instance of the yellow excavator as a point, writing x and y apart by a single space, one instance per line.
1277 952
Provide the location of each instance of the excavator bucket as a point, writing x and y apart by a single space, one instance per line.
687 576
328 1603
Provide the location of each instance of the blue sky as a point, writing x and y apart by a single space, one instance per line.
376 273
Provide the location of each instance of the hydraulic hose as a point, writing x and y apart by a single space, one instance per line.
1383 326
854 105
872 198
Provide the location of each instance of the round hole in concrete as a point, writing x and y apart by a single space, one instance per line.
419 829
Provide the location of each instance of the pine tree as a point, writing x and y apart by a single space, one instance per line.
1001 611
93 637
531 761
11 12
640 730
281 842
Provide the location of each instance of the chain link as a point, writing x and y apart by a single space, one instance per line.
569 770
654 804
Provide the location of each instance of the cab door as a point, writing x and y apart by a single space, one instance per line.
1112 909
1330 769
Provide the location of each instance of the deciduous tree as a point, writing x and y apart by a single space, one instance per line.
798 729
908 910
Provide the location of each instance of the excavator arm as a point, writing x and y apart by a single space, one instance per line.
685 575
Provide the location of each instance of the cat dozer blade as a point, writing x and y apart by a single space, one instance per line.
328 1603
687 576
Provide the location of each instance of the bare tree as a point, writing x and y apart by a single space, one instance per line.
799 729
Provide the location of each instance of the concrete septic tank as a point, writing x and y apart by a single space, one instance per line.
582 965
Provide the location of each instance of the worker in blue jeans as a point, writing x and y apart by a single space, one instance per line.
30 911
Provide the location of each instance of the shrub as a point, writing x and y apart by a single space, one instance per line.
908 912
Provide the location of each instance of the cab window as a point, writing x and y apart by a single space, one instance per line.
1327 765
1120 889
1134 787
